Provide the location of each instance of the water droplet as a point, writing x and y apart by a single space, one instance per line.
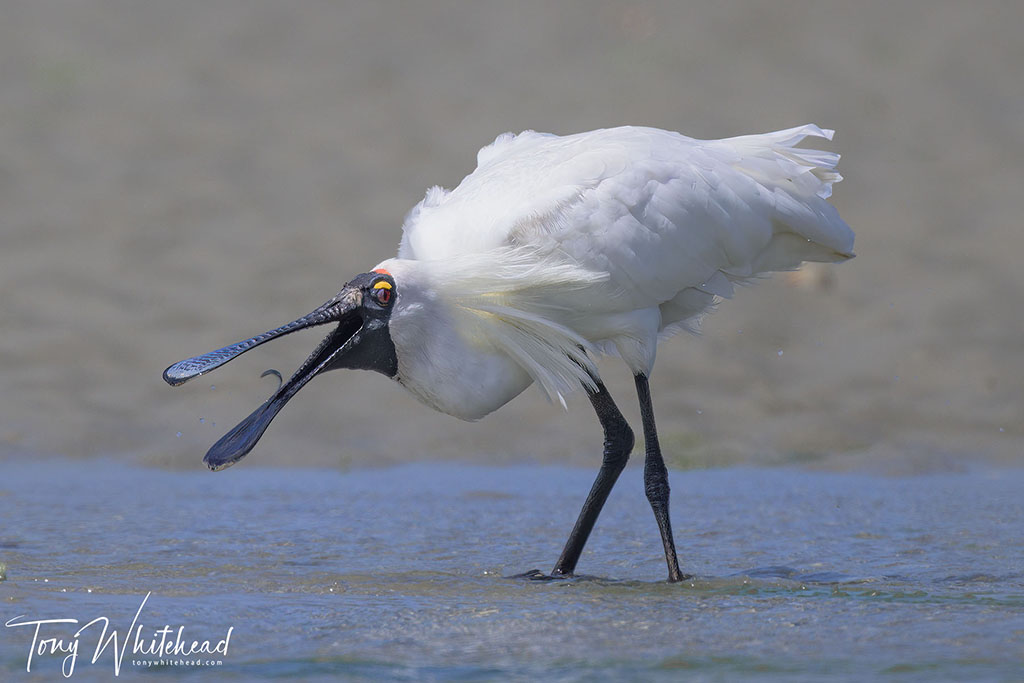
1001 429
202 420
700 412
178 435
780 353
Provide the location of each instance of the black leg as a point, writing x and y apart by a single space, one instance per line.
618 442
656 478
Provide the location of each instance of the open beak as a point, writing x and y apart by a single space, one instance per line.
233 446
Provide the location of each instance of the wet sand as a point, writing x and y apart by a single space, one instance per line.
178 176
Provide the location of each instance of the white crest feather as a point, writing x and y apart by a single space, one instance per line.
514 296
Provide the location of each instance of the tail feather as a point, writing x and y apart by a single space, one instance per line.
801 181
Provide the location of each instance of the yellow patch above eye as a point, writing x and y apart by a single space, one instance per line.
383 284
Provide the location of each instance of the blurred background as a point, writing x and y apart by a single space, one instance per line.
175 176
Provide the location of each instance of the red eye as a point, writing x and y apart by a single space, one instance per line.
383 295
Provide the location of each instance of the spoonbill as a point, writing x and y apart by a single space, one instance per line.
556 250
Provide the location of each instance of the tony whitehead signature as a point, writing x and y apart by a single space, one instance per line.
165 642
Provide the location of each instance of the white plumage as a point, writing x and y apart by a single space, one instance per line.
601 241
556 248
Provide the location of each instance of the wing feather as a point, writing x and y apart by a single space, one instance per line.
665 220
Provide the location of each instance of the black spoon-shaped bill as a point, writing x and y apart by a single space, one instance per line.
237 443
343 309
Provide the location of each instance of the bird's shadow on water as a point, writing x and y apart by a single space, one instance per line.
791 574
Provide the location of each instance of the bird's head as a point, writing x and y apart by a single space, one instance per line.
361 340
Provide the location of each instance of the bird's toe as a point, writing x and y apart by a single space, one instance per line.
536 575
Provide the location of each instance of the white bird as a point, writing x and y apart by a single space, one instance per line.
554 250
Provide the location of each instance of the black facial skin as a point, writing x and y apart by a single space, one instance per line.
371 347
361 341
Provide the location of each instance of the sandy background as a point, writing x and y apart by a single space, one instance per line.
175 176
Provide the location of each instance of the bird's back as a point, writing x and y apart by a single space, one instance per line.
612 238
671 221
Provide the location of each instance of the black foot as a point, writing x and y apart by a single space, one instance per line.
538 575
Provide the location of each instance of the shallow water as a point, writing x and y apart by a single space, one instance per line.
400 572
